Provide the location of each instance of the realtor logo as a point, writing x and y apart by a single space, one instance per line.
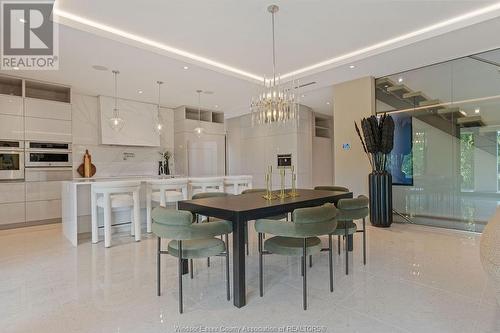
29 36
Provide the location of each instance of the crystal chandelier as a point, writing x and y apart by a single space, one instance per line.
199 130
116 122
277 103
158 125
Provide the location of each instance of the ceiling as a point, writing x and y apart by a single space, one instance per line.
234 37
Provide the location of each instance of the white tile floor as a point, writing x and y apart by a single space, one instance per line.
417 279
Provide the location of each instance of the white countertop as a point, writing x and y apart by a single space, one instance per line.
83 181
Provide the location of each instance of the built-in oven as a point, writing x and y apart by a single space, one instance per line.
48 154
11 160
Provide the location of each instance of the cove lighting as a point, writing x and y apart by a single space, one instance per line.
457 22
152 43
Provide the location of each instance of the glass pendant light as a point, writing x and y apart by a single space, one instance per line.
116 122
199 130
158 125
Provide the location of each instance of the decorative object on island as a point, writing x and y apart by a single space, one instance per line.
278 103
164 164
269 184
490 252
116 122
377 142
86 169
158 125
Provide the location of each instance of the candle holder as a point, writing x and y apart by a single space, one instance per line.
269 183
282 194
293 193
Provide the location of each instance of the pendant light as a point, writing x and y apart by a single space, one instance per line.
158 125
278 102
116 122
199 130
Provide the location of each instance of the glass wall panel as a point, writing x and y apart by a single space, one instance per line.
455 142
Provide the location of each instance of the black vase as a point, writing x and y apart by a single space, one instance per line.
380 199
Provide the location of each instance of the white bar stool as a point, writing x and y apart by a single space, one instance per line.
114 196
237 184
206 184
164 191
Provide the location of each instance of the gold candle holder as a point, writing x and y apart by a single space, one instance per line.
282 194
293 192
269 183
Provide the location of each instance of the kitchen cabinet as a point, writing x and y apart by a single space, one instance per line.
52 130
39 108
11 127
139 123
12 105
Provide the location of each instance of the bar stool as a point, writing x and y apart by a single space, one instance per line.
164 191
115 196
237 184
205 184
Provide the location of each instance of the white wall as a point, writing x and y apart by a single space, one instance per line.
322 161
109 159
352 101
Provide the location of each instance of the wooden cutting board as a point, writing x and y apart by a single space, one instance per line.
81 169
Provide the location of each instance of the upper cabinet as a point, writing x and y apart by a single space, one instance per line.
139 123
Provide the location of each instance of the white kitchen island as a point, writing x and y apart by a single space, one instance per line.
76 202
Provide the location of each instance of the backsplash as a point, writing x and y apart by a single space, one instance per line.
113 161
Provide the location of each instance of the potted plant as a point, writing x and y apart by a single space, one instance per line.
377 141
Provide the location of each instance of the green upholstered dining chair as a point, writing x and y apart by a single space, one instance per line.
348 211
189 240
332 188
299 238
198 217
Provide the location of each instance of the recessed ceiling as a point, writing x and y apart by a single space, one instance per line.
237 33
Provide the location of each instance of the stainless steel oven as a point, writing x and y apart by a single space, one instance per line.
11 160
48 154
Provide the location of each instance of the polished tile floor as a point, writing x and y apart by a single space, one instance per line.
417 279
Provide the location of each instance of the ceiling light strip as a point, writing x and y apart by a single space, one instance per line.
149 42
433 30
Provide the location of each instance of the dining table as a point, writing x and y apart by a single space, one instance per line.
239 209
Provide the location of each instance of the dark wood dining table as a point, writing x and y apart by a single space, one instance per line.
239 209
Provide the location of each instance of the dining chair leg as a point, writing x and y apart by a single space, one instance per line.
310 260
261 269
180 275
364 242
304 278
330 260
158 258
301 266
338 242
227 269
191 268
346 254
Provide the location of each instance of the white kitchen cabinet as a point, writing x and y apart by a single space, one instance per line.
39 129
12 105
139 123
11 192
11 213
39 108
37 191
11 127
43 210
48 174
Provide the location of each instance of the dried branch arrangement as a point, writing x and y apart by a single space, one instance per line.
377 139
